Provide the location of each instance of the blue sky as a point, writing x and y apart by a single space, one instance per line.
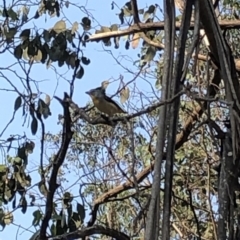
102 67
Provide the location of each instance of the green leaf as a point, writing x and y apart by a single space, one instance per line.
33 199
18 52
34 126
53 230
2 223
63 220
128 5
25 34
86 23
81 211
22 154
14 203
151 9
12 14
43 109
150 54
67 4
10 33
80 73
42 188
127 44
121 16
37 215
35 236
17 161
114 27
23 204
46 36
85 60
29 146
3 168
67 199
18 103
105 29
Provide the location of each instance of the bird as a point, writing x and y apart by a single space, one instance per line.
104 103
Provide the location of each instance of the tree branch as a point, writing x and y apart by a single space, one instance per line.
140 27
57 163
181 138
113 121
91 231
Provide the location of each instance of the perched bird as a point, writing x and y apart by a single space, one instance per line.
104 103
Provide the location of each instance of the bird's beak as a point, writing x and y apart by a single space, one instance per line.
87 92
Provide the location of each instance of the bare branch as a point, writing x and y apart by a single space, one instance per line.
140 27
91 231
58 161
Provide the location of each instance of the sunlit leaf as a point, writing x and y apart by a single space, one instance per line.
135 40
8 218
74 27
47 99
60 26
114 27
38 57
124 94
105 84
105 29
25 54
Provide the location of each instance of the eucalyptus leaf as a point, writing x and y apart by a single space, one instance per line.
18 103
18 52
34 125
86 23
124 94
80 73
25 34
81 211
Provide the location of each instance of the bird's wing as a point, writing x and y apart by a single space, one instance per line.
114 103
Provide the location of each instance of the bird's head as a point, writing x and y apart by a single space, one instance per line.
96 92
